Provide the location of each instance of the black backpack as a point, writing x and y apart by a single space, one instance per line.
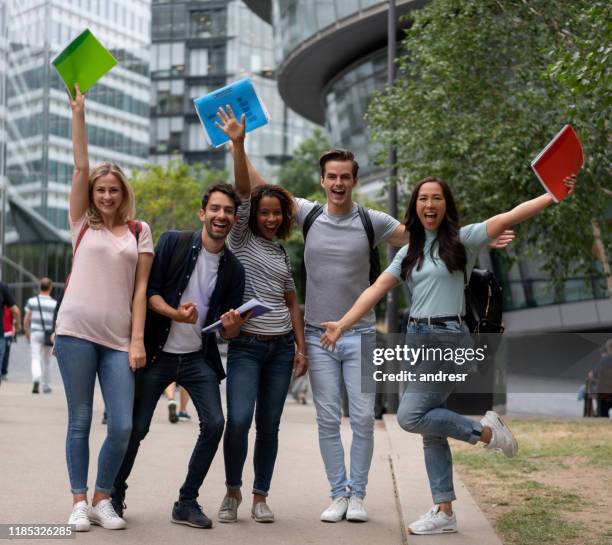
316 211
483 302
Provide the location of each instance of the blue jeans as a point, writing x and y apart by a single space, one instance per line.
327 372
197 377
79 362
257 371
423 410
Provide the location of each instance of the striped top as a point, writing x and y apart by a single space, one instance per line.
268 275
47 305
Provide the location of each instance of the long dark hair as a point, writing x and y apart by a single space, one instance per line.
287 208
450 249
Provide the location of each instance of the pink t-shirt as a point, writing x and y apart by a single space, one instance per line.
97 305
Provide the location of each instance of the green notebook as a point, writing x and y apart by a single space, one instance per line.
84 61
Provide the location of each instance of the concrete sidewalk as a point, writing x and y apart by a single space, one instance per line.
34 481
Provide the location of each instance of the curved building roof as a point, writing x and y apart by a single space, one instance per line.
313 54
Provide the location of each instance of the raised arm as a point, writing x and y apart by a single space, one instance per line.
79 193
236 133
366 301
498 224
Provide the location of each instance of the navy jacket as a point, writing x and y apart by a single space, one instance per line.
227 294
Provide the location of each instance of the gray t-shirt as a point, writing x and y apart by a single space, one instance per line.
435 291
337 258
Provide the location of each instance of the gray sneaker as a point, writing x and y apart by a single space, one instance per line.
502 438
228 512
261 512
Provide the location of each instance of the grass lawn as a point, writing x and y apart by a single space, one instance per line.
557 490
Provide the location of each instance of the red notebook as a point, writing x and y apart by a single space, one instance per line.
562 157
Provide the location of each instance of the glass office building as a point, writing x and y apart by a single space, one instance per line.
198 47
39 152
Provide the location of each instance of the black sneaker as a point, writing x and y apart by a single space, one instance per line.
191 514
172 416
35 388
118 501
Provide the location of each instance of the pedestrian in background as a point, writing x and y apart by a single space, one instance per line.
7 302
38 325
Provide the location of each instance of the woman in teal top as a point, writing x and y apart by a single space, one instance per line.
433 266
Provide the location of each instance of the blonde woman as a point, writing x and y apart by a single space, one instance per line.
100 324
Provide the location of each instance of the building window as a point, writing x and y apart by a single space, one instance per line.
207 23
198 62
168 59
167 96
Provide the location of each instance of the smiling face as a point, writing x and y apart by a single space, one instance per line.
338 182
269 217
431 205
107 195
219 216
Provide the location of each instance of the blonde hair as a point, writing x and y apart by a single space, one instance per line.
126 210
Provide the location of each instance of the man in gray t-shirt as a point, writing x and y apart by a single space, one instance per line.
337 258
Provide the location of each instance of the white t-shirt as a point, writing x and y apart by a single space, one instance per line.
185 338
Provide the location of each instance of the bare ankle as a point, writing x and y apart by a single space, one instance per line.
258 498
234 493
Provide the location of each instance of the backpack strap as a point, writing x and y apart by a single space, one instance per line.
314 213
364 216
135 228
80 237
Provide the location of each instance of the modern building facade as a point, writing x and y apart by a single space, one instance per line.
197 47
39 151
330 57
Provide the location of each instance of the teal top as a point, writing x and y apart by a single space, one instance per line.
435 291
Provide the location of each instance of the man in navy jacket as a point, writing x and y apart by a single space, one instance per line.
195 280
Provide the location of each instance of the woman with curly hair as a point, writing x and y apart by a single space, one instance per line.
100 324
261 359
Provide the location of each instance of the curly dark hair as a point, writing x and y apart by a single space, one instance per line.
450 248
287 208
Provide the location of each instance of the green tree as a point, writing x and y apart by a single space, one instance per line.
169 197
476 100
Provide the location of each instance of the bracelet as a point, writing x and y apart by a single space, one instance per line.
303 355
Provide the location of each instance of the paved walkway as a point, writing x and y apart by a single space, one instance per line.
34 480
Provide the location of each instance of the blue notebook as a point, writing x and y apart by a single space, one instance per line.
242 97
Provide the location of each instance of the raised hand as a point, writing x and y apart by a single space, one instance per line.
333 331
78 103
570 183
229 124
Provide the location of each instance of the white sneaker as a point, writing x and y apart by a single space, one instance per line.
104 515
336 511
356 511
80 517
501 438
434 522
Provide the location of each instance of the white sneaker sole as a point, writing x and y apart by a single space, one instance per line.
81 526
112 526
433 532
329 518
357 518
